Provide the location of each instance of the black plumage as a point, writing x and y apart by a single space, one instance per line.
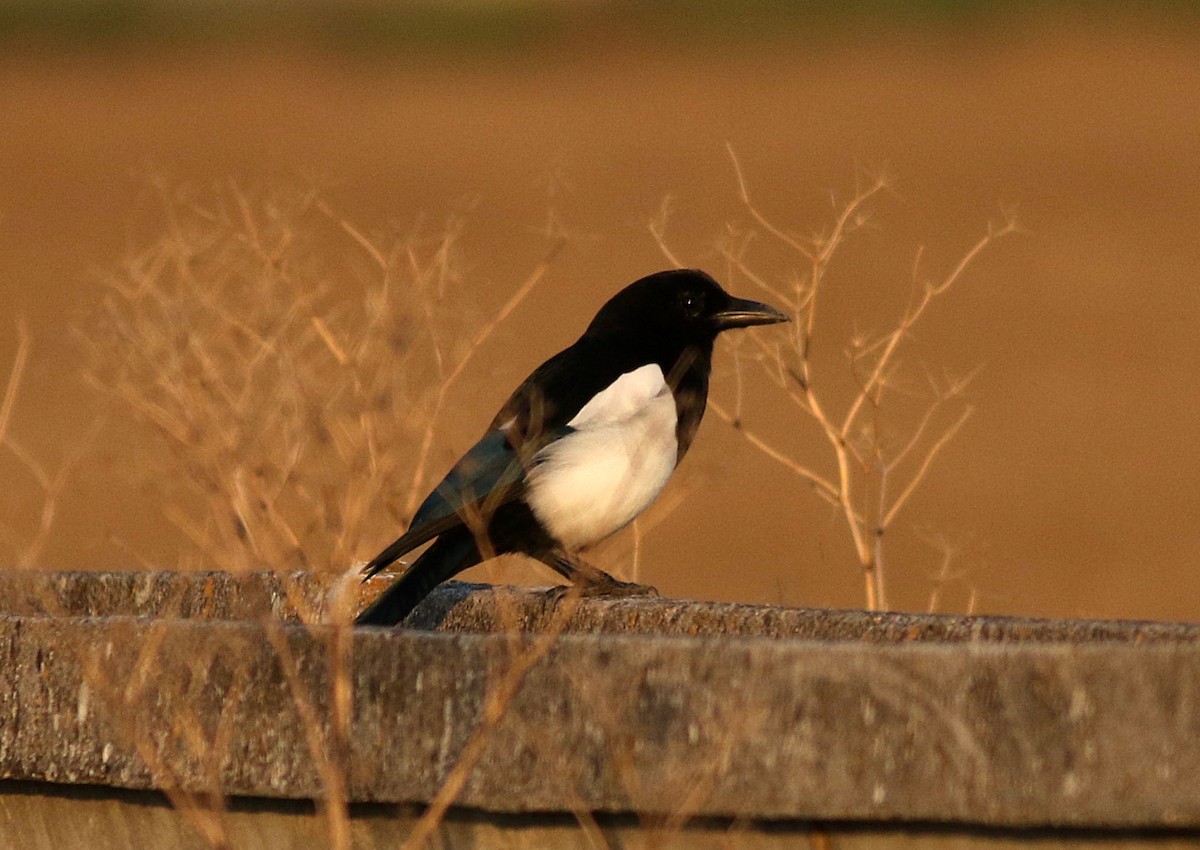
581 446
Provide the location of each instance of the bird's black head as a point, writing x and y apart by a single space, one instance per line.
681 305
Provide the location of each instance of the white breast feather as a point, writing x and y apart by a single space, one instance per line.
593 482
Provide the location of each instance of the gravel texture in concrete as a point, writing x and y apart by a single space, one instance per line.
707 709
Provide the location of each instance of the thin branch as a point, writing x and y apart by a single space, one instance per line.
791 306
495 705
481 335
762 220
819 482
924 468
587 823
354 233
658 228
326 337
913 314
915 439
332 774
24 343
849 218
52 487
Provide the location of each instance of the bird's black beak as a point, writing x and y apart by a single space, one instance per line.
742 313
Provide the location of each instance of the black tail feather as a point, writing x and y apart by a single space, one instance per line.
452 553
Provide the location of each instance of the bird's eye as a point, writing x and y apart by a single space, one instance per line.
692 304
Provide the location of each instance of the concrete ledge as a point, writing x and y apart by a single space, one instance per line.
41 816
952 720
465 607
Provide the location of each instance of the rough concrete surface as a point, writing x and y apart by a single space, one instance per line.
904 719
37 816
464 607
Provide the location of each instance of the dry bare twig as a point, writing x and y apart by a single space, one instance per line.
24 344
52 482
497 699
866 465
329 761
292 411
125 699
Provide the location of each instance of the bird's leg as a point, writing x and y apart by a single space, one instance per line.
592 581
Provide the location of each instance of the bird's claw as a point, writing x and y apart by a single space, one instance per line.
614 588
620 588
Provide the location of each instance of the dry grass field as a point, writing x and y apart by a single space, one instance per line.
1071 490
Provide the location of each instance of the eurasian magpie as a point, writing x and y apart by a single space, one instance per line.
581 447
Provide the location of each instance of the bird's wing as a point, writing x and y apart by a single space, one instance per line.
557 391
489 475
492 473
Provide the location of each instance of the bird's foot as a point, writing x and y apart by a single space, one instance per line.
616 587
611 587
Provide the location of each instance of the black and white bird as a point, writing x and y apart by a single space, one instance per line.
582 446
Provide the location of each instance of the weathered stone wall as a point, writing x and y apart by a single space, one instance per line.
832 716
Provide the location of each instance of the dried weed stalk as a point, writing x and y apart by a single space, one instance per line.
26 548
203 811
523 653
298 398
20 360
126 696
875 472
689 788
295 390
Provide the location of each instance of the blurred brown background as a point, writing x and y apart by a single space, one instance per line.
1072 490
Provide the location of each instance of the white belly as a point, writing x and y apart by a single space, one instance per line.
594 481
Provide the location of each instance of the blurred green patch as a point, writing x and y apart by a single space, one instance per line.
506 25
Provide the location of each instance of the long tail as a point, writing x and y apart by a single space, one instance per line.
450 554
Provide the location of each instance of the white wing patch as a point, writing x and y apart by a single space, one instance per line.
624 398
594 481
